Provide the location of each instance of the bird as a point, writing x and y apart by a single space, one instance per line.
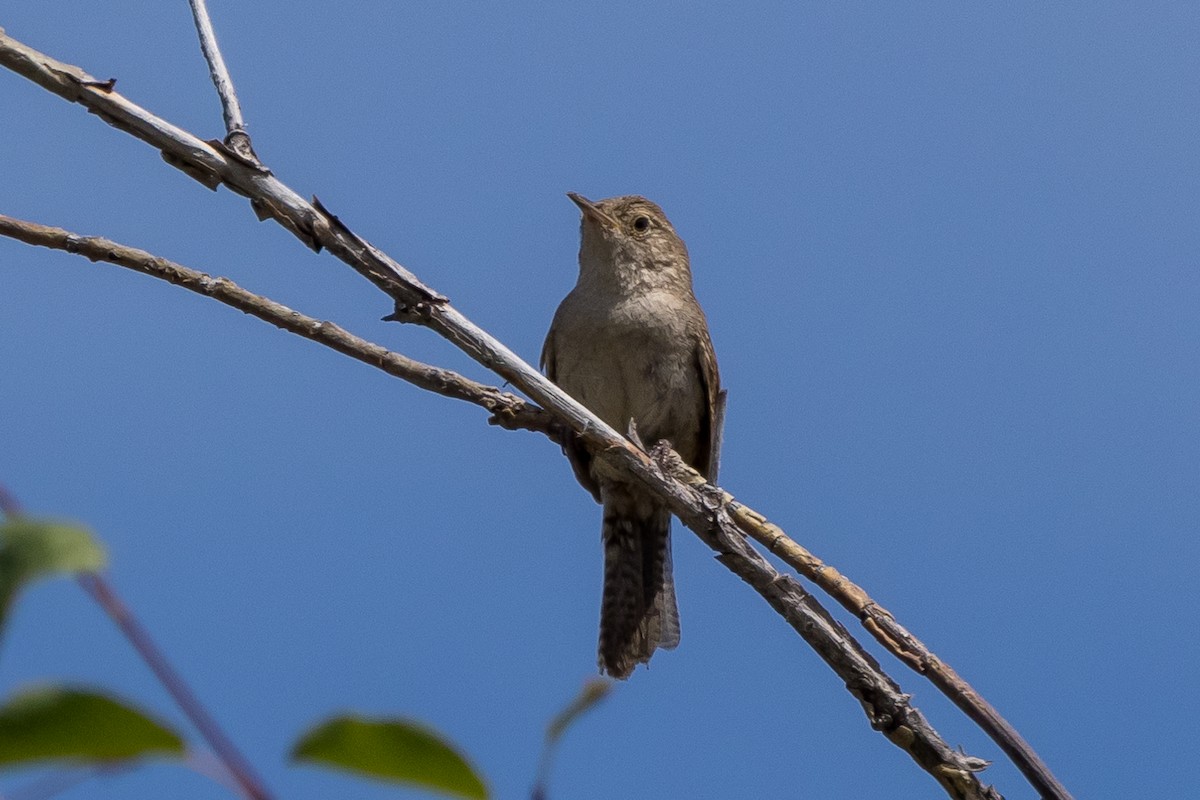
631 343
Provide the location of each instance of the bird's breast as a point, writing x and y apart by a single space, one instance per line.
633 359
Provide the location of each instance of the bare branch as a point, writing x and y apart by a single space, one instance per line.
214 164
509 410
886 706
236 136
705 510
516 412
886 630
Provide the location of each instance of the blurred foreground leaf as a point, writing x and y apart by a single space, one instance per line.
50 723
31 549
390 749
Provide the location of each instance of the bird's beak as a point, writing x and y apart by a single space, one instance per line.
592 211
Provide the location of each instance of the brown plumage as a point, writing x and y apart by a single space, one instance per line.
631 343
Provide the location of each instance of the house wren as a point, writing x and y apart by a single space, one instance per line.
631 343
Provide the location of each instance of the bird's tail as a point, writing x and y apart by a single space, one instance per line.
638 612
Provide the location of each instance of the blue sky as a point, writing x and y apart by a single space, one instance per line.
948 254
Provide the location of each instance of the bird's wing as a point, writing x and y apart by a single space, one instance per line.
573 447
712 421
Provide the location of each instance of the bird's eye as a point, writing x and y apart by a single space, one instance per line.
641 224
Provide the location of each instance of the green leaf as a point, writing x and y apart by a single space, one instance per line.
49 723
31 549
390 749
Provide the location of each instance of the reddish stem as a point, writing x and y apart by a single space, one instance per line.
105 596
239 768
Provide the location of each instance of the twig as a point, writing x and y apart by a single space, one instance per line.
886 630
236 136
509 410
415 302
239 768
214 164
908 648
699 507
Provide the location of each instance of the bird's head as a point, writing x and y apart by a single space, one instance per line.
629 241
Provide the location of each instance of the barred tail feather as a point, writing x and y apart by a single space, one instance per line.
638 612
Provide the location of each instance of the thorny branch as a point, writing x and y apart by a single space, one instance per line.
886 707
714 517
